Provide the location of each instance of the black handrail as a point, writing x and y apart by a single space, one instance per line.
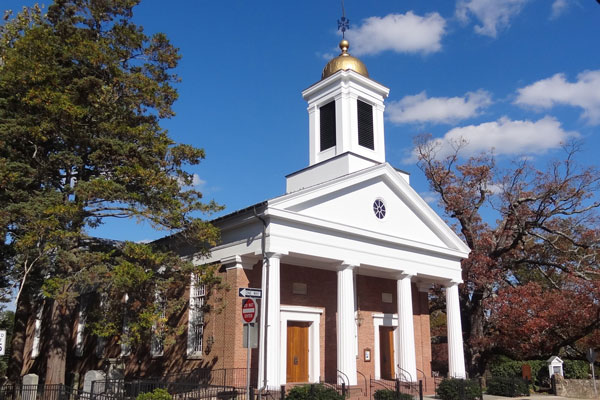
343 375
365 379
403 371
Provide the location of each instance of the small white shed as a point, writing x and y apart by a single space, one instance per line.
555 366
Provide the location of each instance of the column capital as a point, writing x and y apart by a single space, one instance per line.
274 254
424 286
347 265
404 275
452 282
237 261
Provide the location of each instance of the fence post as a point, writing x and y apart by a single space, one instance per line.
251 394
282 392
344 389
461 389
420 389
312 392
397 388
553 382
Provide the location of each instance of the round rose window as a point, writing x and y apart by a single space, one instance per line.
379 208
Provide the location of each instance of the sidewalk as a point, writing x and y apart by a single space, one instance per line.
532 397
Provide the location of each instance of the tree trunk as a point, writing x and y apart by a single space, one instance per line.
17 344
59 335
473 328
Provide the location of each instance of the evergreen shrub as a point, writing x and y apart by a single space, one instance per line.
452 389
507 386
318 392
576 369
389 394
156 394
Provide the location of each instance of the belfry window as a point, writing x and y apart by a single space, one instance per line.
327 125
365 125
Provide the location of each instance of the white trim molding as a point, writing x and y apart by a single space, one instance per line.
311 315
383 320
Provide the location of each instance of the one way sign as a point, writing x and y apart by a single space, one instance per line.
250 292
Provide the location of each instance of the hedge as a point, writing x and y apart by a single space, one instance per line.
452 389
313 392
389 394
506 368
508 387
156 394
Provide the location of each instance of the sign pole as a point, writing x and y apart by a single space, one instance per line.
248 355
591 356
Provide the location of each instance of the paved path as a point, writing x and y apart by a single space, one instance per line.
532 397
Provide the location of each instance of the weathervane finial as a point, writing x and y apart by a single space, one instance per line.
343 23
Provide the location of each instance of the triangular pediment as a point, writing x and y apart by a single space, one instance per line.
349 201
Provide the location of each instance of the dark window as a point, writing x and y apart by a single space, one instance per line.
327 125
365 125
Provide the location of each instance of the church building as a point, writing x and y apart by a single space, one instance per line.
345 258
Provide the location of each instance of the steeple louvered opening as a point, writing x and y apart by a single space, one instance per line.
365 125
327 125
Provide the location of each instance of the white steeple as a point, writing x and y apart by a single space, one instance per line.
346 131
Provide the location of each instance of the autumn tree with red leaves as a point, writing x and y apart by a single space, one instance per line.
532 280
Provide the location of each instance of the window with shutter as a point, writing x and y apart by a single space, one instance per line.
327 125
157 346
365 125
196 317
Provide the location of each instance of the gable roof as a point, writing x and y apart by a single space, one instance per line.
335 201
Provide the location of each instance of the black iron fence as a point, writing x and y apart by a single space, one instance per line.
178 390
400 389
235 377
47 392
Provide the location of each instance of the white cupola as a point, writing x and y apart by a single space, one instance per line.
346 133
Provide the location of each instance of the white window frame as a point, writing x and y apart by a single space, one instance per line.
37 332
157 345
195 318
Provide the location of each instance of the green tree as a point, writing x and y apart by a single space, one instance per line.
82 93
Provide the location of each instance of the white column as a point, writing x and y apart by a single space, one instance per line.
346 325
406 332
270 308
456 357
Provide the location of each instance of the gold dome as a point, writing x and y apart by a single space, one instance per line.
344 62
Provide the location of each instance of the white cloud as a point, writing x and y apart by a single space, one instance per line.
558 8
430 198
584 93
442 110
197 181
505 137
402 33
493 15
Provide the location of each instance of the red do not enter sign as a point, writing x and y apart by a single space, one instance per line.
249 310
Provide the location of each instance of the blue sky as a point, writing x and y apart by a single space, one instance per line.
521 76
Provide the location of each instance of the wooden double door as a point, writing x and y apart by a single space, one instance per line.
297 351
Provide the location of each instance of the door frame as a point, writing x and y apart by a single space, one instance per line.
302 314
390 320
